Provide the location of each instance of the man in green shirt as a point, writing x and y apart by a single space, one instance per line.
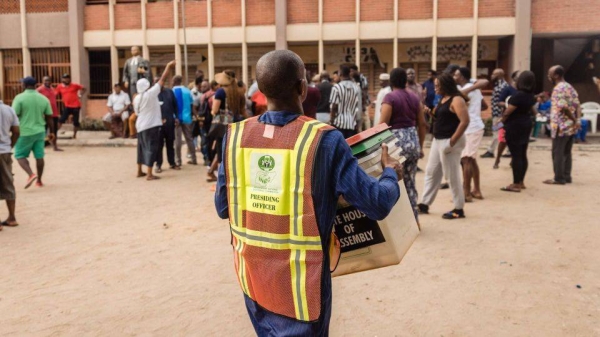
34 111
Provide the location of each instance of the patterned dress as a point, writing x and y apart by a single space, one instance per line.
408 140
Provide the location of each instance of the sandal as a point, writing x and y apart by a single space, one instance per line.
158 170
454 214
211 180
8 224
141 175
510 188
477 196
152 178
175 167
423 209
30 180
552 182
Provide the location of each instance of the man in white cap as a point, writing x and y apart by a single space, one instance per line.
149 122
385 89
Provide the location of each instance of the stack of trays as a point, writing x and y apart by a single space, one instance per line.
366 147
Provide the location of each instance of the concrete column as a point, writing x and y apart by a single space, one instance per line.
321 44
145 49
522 42
357 43
177 47
244 46
395 53
80 66
280 24
434 38
114 54
1 75
211 49
24 42
474 40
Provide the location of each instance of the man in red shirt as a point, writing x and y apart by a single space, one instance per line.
70 97
46 90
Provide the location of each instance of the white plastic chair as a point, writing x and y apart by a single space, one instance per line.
590 111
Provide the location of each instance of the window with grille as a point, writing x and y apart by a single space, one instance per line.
12 60
100 74
53 62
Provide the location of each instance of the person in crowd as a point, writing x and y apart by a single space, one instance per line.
517 124
184 121
205 114
497 109
542 113
345 100
149 122
385 89
429 89
259 102
325 86
451 121
118 112
132 120
227 101
9 134
335 77
169 111
473 136
198 78
34 113
565 122
403 111
363 122
252 89
330 171
70 93
243 88
508 91
197 92
47 90
412 84
313 97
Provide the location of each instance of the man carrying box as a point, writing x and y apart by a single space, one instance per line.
279 184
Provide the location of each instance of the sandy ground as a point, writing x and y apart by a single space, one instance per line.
101 253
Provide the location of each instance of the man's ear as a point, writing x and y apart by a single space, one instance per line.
303 89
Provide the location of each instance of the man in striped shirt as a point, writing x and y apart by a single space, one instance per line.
345 100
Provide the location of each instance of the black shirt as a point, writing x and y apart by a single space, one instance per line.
168 105
446 122
518 124
325 89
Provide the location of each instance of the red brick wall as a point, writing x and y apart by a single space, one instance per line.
302 11
374 10
455 9
339 10
128 16
552 16
195 13
9 7
415 9
159 14
96 17
45 6
260 12
226 13
492 8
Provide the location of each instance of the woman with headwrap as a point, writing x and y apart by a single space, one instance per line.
149 122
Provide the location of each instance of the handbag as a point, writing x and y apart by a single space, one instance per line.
220 122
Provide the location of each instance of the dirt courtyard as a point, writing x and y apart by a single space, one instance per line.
101 253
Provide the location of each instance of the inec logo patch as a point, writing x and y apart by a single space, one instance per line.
266 164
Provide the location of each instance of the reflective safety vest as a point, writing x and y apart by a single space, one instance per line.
278 253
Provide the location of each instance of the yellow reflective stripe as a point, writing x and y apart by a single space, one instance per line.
269 244
295 270
242 268
235 165
266 236
302 280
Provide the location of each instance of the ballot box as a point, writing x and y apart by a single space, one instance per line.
367 244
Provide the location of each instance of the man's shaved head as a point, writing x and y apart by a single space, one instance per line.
279 74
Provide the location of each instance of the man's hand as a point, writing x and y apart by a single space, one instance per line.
388 161
126 85
171 64
176 122
51 137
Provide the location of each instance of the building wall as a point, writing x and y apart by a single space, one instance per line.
226 13
96 17
448 9
260 12
195 14
10 23
496 8
38 34
160 15
339 10
302 11
10 7
375 10
45 6
415 9
559 17
128 16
